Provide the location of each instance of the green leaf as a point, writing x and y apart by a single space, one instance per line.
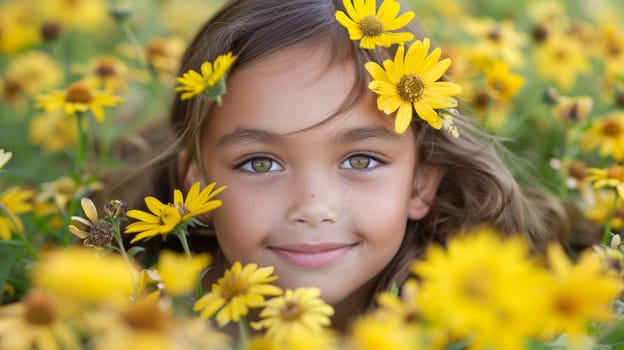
9 251
135 250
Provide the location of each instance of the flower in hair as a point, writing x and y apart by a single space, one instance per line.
411 80
375 28
211 81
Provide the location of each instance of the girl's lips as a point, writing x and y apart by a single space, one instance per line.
312 255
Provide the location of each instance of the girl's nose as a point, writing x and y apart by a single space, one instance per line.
312 205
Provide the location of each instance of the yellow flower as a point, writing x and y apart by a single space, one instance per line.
211 81
81 275
606 134
89 15
403 308
4 157
179 274
573 109
579 293
14 201
561 59
612 176
301 311
19 28
502 84
29 74
600 211
163 219
371 333
238 290
106 72
412 80
372 27
495 39
474 292
78 97
197 202
36 323
53 131
96 233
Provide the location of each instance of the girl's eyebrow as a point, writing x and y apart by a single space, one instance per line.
247 135
250 135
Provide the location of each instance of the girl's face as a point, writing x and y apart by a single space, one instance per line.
326 206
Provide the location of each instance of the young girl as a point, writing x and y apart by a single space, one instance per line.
319 184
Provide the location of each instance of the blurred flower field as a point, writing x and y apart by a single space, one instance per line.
83 82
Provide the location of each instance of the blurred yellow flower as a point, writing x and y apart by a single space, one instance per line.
19 29
502 84
368 332
301 311
412 80
28 74
573 109
53 131
474 293
80 275
375 28
106 72
570 303
78 97
561 59
612 176
600 211
611 50
402 308
179 274
606 134
14 201
239 289
211 81
93 232
63 189
495 40
4 157
196 202
161 54
36 322
86 15
162 219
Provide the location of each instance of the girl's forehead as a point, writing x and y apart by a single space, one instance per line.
293 89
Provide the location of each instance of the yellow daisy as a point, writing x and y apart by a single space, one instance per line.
80 275
502 84
53 131
238 290
94 232
211 81
78 97
412 80
606 134
36 323
4 157
196 202
571 303
612 176
162 219
573 109
561 59
179 274
600 211
14 201
301 311
372 27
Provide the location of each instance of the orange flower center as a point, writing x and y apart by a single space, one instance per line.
411 88
78 93
105 68
40 309
371 26
577 170
611 128
145 316
233 286
616 172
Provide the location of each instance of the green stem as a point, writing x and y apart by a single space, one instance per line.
115 221
606 233
181 234
81 148
243 329
20 234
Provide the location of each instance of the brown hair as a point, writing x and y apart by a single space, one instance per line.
476 188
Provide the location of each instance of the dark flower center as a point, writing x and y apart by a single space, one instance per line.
411 88
371 26
100 235
78 92
291 311
612 129
40 309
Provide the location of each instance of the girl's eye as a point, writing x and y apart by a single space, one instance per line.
261 165
359 162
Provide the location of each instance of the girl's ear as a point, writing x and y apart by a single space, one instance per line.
423 193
